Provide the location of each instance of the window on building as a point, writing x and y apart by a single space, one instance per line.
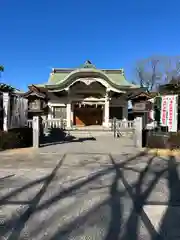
59 112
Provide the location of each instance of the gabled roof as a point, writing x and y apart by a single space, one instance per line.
34 91
88 73
141 92
116 76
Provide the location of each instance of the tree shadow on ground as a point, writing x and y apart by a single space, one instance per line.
6 177
59 136
114 230
77 226
169 227
116 210
138 198
16 223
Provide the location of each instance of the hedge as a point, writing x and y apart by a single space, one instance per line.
16 138
161 140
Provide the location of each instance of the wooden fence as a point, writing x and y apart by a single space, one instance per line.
18 112
13 111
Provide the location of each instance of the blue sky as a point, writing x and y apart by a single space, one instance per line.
37 35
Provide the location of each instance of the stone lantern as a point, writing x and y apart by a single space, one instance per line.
37 102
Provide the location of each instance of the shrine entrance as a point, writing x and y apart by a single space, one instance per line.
88 115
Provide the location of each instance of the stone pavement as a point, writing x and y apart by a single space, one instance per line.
82 190
93 142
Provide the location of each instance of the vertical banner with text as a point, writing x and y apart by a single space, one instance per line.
172 113
169 112
164 106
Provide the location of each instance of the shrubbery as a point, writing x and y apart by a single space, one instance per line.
161 140
174 140
16 138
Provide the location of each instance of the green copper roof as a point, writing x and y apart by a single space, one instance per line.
57 77
116 77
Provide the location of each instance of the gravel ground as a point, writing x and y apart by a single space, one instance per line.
88 191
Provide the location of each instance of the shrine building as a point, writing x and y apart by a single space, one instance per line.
85 95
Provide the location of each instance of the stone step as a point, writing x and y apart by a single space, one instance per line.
89 128
89 133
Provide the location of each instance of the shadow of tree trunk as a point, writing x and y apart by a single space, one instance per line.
115 222
169 228
114 229
20 223
139 198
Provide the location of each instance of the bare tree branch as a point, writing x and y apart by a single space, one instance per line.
157 70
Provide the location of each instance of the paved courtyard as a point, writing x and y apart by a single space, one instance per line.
98 189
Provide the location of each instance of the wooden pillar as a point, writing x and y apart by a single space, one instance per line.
68 115
68 109
106 110
50 112
72 113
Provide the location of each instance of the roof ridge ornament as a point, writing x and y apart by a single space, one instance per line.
88 64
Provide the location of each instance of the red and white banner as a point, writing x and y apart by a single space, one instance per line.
164 109
169 112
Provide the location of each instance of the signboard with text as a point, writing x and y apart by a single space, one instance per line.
142 106
169 106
